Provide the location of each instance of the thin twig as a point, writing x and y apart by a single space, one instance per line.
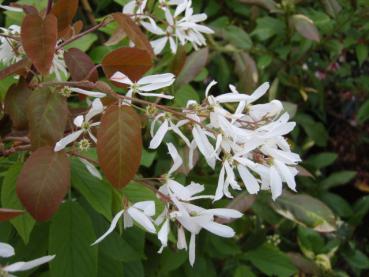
87 7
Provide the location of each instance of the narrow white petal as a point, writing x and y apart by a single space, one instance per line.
173 45
181 238
192 249
208 88
286 173
141 219
225 213
147 207
260 91
204 145
78 121
248 179
11 9
88 93
22 266
6 250
159 136
112 226
91 168
220 187
218 229
155 86
159 44
232 97
157 78
159 95
121 78
177 160
97 107
275 183
163 235
61 144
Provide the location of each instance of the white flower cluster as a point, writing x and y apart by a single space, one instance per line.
7 251
181 25
247 143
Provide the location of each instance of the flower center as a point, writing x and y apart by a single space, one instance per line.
84 144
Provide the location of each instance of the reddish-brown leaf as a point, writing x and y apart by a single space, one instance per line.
133 32
65 10
15 104
6 214
119 144
16 68
80 65
193 66
133 62
47 113
43 182
39 38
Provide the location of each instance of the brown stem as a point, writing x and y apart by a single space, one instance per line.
22 139
90 14
76 154
49 6
92 29
15 149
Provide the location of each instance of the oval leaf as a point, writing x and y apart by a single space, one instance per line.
39 38
16 103
133 32
193 66
307 211
6 214
65 10
133 62
119 144
43 182
306 27
16 68
80 65
47 117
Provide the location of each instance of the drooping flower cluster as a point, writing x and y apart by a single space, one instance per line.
248 140
7 251
180 26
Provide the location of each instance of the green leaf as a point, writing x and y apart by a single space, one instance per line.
185 93
71 235
356 259
363 113
361 208
306 27
84 43
243 271
170 260
338 179
310 242
47 114
315 130
321 160
238 37
361 53
337 203
109 267
306 210
9 199
147 158
332 7
271 261
267 27
97 192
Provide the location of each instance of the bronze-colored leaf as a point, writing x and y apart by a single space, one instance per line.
193 66
80 65
47 114
39 38
133 32
43 182
178 61
305 26
7 214
16 68
133 62
65 10
119 144
246 71
16 103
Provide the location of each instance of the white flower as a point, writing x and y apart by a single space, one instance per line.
11 50
135 8
145 84
11 9
66 91
166 126
7 251
58 66
91 168
140 212
84 124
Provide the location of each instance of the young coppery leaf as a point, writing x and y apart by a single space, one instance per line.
7 214
43 182
80 65
119 144
15 104
133 32
133 62
39 38
65 10
16 68
47 114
